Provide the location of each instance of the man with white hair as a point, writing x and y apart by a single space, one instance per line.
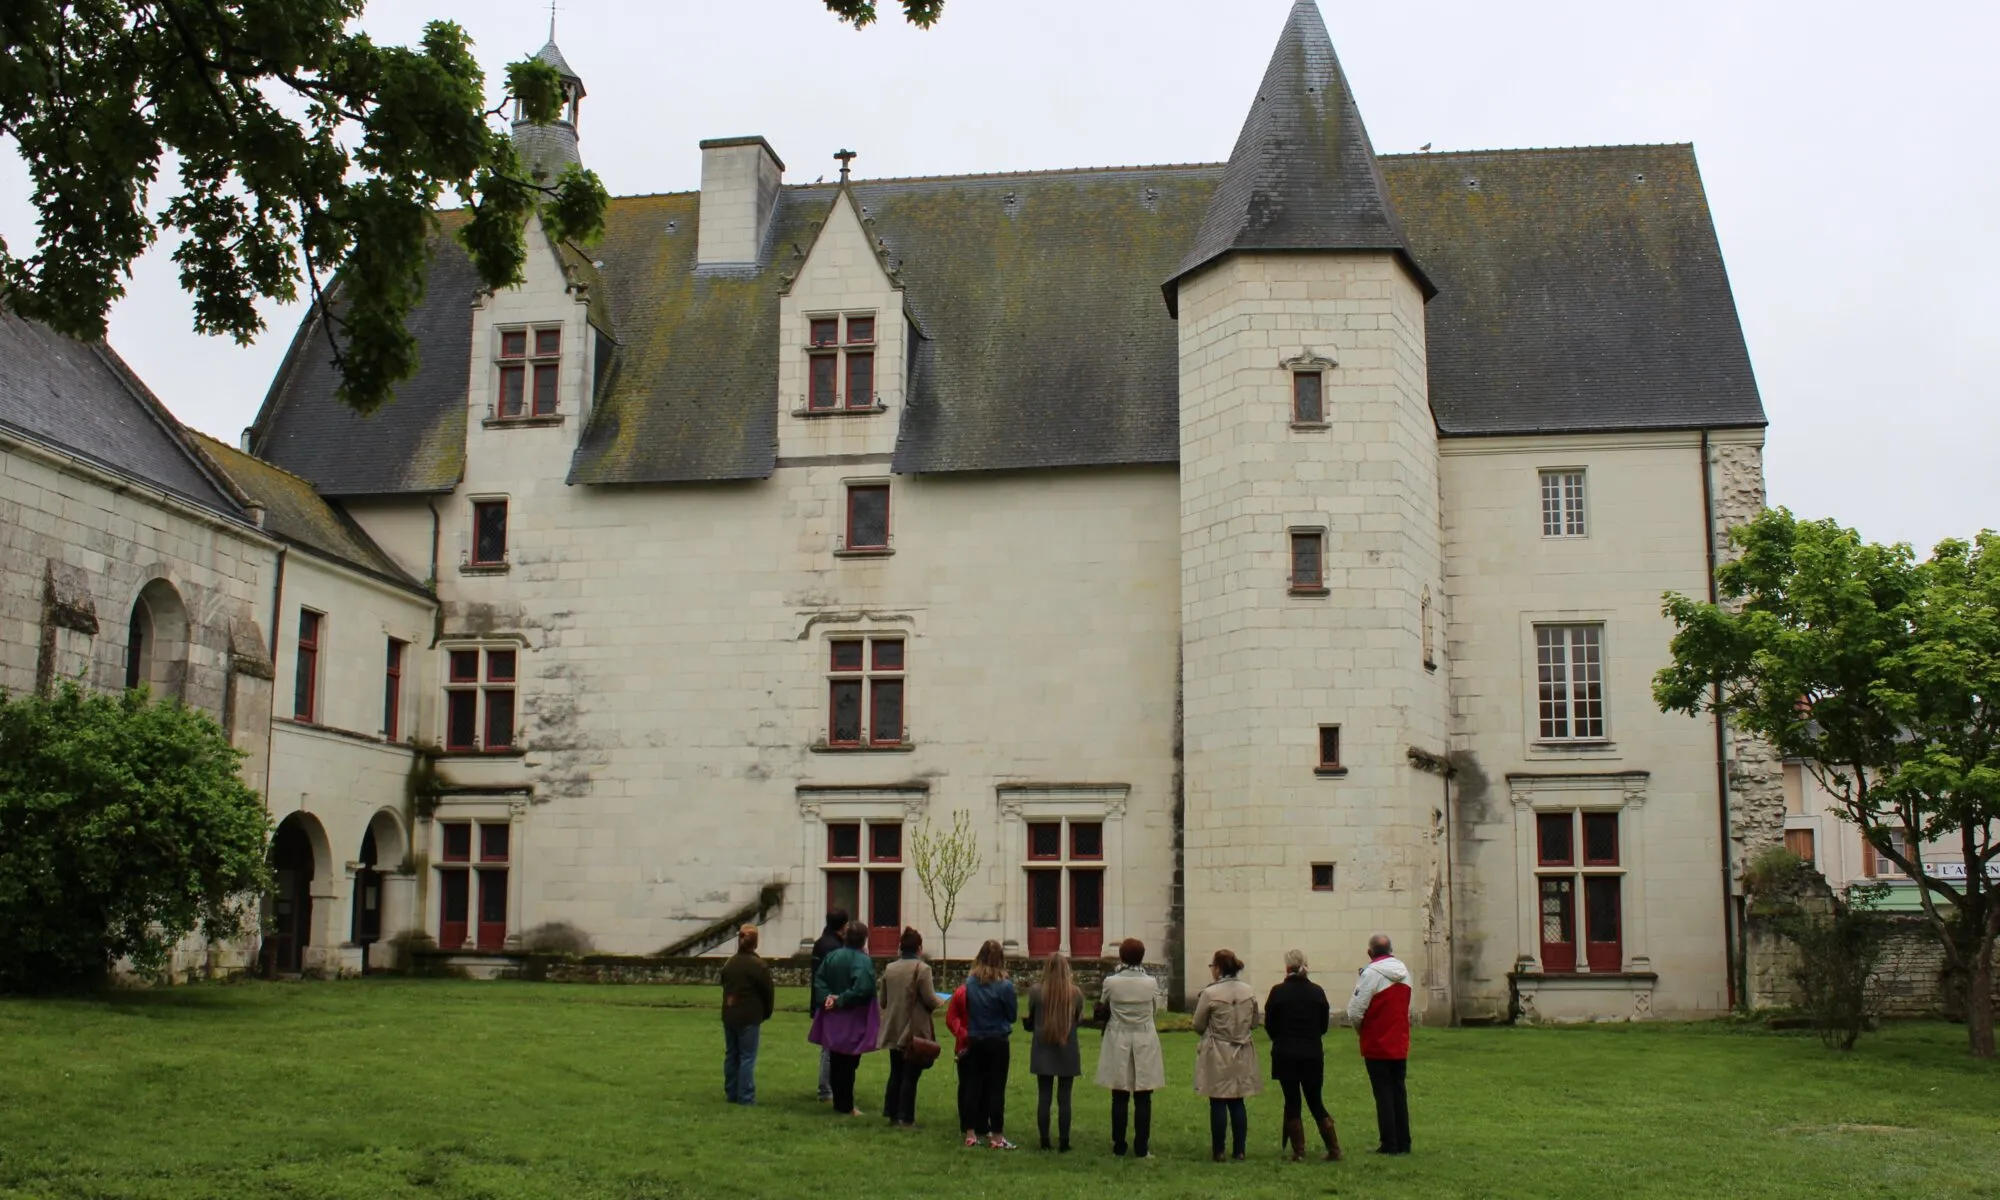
1380 1009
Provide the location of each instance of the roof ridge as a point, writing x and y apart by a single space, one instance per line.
1419 154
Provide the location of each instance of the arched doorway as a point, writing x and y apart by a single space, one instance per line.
157 640
289 908
366 926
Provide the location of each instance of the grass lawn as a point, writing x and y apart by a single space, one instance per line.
414 1088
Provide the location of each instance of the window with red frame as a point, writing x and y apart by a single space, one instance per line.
392 690
489 533
1579 882
454 883
865 692
867 517
305 680
1308 560
494 838
1308 407
530 372
1065 877
479 699
840 374
1329 748
878 881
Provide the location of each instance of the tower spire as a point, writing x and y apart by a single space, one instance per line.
1303 174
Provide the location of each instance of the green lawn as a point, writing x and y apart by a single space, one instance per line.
409 1088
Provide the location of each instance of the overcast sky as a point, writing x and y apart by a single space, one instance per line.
1847 149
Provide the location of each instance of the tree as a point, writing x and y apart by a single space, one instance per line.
1881 674
124 826
860 13
302 148
945 863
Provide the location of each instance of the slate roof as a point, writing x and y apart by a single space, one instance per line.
294 512
81 398
413 444
554 57
1303 175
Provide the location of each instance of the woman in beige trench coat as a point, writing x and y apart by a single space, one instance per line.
1129 1061
1225 1067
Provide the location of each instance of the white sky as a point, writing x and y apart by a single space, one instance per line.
1847 149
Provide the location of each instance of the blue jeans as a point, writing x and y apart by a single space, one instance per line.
739 1063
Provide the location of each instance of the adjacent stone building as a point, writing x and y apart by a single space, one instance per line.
1262 554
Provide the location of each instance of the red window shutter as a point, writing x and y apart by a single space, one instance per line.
1603 920
492 932
453 908
1086 914
885 911
1044 912
1558 916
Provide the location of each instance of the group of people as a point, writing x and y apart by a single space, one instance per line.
858 1010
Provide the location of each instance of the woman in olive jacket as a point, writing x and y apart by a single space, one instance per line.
1296 1016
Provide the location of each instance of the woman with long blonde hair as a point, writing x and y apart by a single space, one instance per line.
1055 1009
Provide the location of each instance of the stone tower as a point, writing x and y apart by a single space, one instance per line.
1314 700
546 149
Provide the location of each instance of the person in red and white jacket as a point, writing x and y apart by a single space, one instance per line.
1380 1010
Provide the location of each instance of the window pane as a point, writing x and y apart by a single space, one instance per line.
885 900
461 719
1562 504
1086 898
1586 682
885 843
392 691
885 721
889 655
846 724
860 330
513 389
1558 923
847 656
860 380
825 332
514 343
548 343
1306 396
1600 910
1322 877
1045 840
1086 839
1552 681
305 681
464 666
493 842
867 518
493 897
308 627
1555 839
1305 560
489 531
825 381
843 891
1329 745
843 844
500 666
545 390
1045 899
499 718
457 841
453 904
1600 839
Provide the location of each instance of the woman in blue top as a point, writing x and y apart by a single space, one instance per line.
991 1009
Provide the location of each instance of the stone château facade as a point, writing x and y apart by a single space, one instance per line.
1263 554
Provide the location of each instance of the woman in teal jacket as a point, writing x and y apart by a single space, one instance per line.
845 1019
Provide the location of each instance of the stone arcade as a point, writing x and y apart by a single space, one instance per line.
1263 554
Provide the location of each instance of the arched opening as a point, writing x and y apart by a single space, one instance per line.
288 909
156 642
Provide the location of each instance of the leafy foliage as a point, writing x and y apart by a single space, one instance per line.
1882 675
302 148
861 13
1839 942
124 826
945 861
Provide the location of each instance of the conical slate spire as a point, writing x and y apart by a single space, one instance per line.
1303 175
546 149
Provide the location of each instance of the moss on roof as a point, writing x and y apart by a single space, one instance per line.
294 511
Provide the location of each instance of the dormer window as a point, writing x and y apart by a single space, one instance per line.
841 373
530 366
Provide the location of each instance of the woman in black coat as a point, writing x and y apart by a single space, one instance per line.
1296 1016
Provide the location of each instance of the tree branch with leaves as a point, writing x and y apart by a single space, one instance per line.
945 861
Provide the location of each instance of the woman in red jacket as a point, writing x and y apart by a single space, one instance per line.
955 1020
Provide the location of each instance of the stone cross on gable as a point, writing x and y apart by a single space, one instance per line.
846 158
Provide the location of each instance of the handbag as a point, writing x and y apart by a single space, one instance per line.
923 1049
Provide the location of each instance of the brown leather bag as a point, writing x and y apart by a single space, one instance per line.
923 1049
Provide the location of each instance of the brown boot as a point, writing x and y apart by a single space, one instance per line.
1327 1135
1295 1138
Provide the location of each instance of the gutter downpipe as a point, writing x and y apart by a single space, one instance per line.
1721 744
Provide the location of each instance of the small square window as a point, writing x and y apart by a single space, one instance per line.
489 533
1329 748
493 842
825 331
1045 840
885 843
1562 504
860 331
868 517
1322 877
514 344
500 666
847 656
464 666
1308 407
457 841
548 343
843 843
1600 839
1555 839
889 655
1086 839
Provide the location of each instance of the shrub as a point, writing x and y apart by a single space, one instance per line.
124 826
557 937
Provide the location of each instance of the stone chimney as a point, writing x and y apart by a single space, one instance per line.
739 192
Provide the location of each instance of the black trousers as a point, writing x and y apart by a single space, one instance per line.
990 1058
966 1101
1058 1088
1142 1121
842 1070
1392 1102
1301 1083
1232 1117
899 1099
